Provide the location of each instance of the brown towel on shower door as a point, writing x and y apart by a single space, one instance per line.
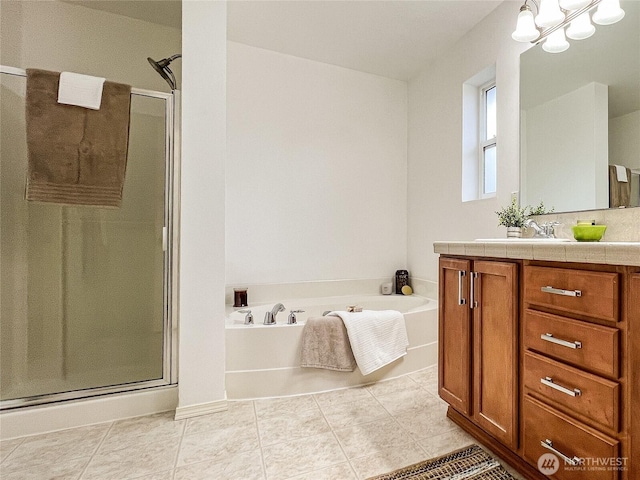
325 344
619 192
76 156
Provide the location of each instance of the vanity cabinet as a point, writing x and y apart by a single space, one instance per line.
478 343
571 375
543 357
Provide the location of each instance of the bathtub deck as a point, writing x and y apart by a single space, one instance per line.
264 362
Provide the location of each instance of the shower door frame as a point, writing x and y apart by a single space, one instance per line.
170 245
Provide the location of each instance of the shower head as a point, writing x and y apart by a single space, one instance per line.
162 67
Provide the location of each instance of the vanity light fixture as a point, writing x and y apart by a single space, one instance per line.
554 15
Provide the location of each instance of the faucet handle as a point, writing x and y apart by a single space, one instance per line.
292 316
248 318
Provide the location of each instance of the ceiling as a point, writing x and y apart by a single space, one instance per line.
391 38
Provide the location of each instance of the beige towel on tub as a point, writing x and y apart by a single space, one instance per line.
76 156
325 344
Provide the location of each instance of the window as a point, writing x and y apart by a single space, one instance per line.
479 136
488 139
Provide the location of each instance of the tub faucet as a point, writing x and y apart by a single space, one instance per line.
270 317
248 318
292 317
541 231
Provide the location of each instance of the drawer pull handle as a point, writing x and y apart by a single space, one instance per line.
559 291
550 338
548 381
548 444
461 275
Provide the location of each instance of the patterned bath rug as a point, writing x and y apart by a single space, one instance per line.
469 463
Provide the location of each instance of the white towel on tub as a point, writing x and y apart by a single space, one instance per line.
377 337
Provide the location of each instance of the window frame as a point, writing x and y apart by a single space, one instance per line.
483 142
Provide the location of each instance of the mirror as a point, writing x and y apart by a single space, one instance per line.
580 120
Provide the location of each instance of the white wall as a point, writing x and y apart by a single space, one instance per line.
624 140
435 208
567 144
201 360
316 170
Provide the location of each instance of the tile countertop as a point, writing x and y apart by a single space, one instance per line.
609 253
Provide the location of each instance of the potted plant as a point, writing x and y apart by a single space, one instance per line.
513 217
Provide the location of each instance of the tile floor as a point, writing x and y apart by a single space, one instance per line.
340 435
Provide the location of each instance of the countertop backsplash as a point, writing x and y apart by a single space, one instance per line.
623 224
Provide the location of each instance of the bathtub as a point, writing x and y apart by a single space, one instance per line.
264 360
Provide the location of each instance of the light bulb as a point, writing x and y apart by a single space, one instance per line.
550 14
608 12
556 42
580 27
526 30
574 4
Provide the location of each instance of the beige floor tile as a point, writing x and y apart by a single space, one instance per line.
369 438
166 475
56 447
238 413
217 443
428 422
282 428
242 466
289 459
438 445
67 469
414 400
284 406
427 379
8 446
388 387
341 396
342 471
388 460
134 431
354 413
133 461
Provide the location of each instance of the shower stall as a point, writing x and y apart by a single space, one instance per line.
87 297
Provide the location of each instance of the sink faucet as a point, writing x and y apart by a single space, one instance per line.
270 317
546 230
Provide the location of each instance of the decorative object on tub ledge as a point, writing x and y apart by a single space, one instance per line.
377 337
325 344
584 232
402 279
553 15
386 288
76 156
470 463
407 290
240 297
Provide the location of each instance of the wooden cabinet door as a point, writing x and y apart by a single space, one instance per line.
633 361
454 334
495 350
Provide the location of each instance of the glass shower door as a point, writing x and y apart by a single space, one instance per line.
85 291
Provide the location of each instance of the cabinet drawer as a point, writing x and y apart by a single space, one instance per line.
582 344
594 294
584 394
599 453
